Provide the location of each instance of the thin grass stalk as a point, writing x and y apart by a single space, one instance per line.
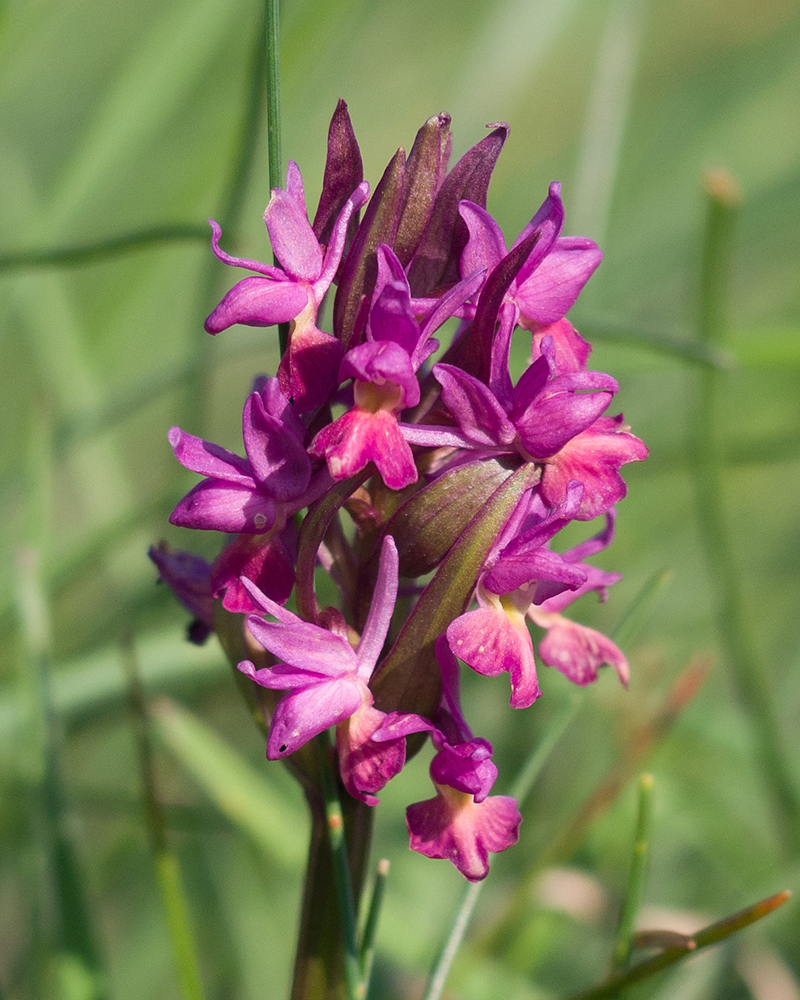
73 931
623 944
367 947
642 741
708 936
747 668
173 897
275 154
111 247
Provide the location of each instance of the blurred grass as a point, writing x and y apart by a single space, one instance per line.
121 119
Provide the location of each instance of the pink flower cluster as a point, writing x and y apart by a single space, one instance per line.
449 472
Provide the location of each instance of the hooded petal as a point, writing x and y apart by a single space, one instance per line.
209 459
567 405
258 301
293 241
553 288
277 457
218 506
301 715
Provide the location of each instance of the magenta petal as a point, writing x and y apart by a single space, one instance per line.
359 437
265 562
384 595
487 641
380 362
551 291
366 766
216 506
520 564
293 240
578 651
277 404
304 714
467 767
478 413
294 186
305 646
278 459
209 459
462 831
188 577
567 405
308 371
252 265
486 246
336 243
594 458
571 351
547 223
258 301
391 318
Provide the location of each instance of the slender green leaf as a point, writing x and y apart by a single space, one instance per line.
623 944
670 956
240 792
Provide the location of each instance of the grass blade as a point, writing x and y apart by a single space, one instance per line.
710 935
240 792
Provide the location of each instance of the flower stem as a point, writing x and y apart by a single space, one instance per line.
747 669
272 8
345 897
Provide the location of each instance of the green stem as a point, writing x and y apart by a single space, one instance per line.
747 669
236 187
633 894
319 972
710 935
367 952
88 253
341 869
272 8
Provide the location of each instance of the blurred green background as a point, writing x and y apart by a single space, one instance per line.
118 118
